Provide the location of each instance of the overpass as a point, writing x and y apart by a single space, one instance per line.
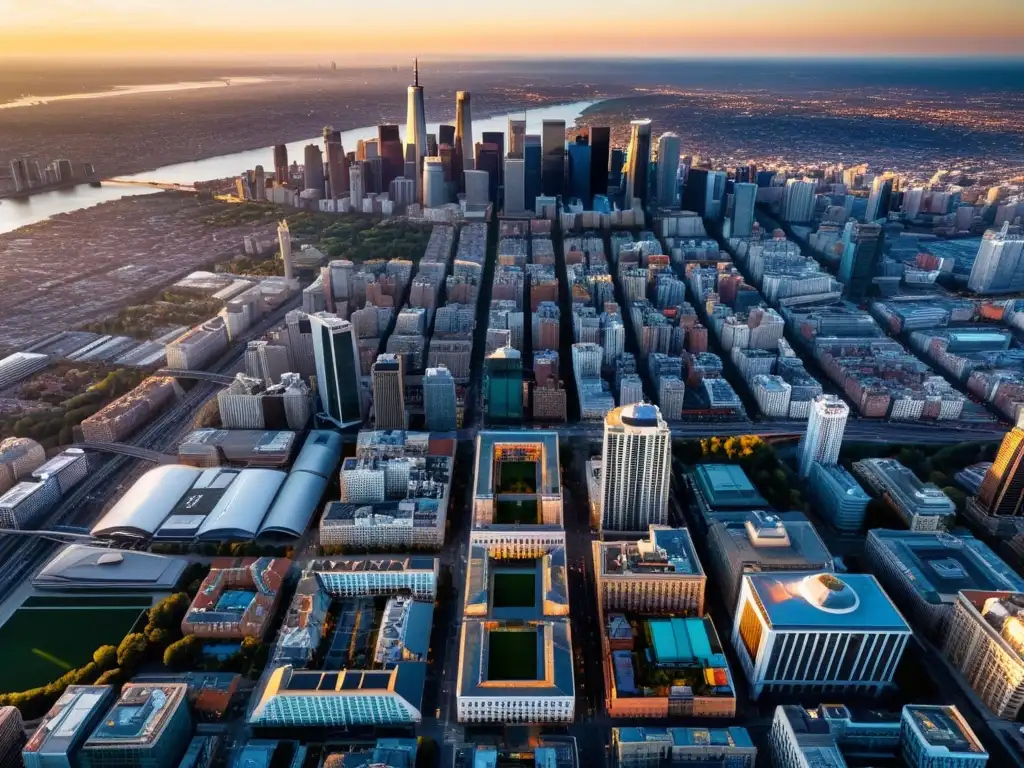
179 373
124 449
60 537
168 185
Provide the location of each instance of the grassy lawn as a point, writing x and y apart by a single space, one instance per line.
512 656
515 590
516 512
41 644
517 477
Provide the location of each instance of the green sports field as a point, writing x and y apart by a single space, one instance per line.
42 643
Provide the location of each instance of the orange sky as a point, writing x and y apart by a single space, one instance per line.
383 29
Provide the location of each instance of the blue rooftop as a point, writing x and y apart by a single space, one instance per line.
726 486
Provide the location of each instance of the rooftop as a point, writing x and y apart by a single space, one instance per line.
539 446
938 564
668 552
810 601
510 673
64 725
769 541
516 589
733 736
79 566
140 715
942 727
726 486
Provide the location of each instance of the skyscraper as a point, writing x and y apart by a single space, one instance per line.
579 170
553 162
463 132
635 475
515 195
879 199
337 369
19 172
503 387
432 144
392 155
516 134
434 191
388 392
798 200
824 436
497 138
446 135
281 163
357 178
488 158
439 403
313 168
1002 490
638 157
615 164
695 191
532 174
337 164
744 197
668 168
862 250
284 238
999 265
416 127
600 146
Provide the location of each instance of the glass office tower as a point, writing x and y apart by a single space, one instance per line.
553 168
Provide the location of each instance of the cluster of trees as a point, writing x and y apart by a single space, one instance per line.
272 267
187 654
143 321
55 426
111 665
758 460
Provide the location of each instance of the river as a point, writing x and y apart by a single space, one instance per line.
20 213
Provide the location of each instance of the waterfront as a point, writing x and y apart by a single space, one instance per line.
20 213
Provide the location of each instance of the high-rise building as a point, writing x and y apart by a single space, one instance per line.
798 200
357 184
637 460
463 133
616 162
19 172
337 369
392 154
824 436
600 144
439 401
284 238
313 169
435 193
488 159
388 392
1002 489
579 171
337 163
515 185
446 135
516 136
266 362
878 200
999 265
985 641
744 197
416 128
532 173
638 157
478 188
497 138
862 252
817 631
503 386
695 191
553 163
281 163
668 168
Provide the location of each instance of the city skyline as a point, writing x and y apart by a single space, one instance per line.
118 28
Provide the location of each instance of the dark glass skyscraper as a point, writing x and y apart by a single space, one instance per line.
281 163
337 164
695 191
446 135
638 156
498 139
488 158
863 245
392 154
580 156
618 159
532 172
553 164
600 146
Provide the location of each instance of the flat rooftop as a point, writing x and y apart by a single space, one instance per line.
726 486
943 727
375 563
410 513
520 589
812 601
769 540
937 565
540 446
62 726
140 715
667 552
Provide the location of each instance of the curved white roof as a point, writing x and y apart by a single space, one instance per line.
147 503
243 506
295 504
321 453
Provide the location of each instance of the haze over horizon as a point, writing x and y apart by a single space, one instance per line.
316 29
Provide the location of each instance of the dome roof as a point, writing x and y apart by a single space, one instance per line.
829 593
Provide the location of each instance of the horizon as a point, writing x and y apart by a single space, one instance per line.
143 29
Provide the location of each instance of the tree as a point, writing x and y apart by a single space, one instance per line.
111 677
183 654
105 657
132 650
168 613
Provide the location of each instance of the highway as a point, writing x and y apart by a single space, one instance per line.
20 558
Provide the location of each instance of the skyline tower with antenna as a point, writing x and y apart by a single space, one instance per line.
416 128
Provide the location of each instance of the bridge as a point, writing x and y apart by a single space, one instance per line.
124 449
179 373
168 185
60 537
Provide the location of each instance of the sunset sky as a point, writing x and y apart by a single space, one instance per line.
380 30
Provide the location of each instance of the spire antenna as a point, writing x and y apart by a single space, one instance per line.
416 71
